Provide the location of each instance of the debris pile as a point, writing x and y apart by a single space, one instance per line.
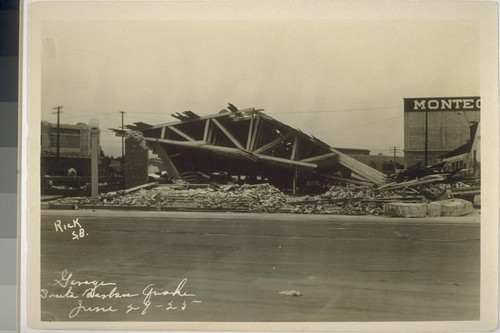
352 200
346 199
252 198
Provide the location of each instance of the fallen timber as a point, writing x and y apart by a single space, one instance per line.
415 198
409 183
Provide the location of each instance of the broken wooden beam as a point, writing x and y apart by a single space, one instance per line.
250 132
415 182
284 161
191 114
169 165
319 157
272 144
177 143
360 168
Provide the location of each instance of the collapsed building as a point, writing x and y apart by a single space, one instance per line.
250 146
263 161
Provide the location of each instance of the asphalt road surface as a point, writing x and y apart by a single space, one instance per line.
160 266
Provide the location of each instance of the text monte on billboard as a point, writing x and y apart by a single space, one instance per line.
442 104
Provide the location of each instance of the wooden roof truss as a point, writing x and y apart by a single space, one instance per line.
251 136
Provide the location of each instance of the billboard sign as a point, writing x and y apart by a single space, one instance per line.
442 104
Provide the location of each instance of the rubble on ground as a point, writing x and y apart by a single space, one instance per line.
405 199
253 198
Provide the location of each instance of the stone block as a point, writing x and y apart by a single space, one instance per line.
455 207
477 201
403 209
433 209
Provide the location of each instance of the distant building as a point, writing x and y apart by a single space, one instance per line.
447 126
381 163
74 149
466 156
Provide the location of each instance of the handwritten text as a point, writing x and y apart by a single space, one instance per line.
100 296
77 231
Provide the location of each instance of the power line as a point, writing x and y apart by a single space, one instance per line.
333 111
292 112
97 113
369 124
142 114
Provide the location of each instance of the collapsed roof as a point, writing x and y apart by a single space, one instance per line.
249 143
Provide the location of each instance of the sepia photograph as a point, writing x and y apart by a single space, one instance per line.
261 166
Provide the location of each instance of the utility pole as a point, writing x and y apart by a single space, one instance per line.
123 150
58 112
466 119
394 158
94 136
426 139
394 149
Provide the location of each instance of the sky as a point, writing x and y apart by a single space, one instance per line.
341 80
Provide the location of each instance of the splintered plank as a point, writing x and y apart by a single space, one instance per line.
319 157
360 168
286 161
273 143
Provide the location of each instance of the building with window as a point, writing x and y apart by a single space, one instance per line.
466 156
74 149
436 126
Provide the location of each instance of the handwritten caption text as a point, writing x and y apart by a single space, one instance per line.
88 293
77 231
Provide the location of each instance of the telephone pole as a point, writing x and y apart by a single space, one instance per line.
58 112
426 145
123 136
394 149
94 137
123 150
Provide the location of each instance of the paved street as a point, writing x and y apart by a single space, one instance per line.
161 266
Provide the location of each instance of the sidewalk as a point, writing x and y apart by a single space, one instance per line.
474 218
